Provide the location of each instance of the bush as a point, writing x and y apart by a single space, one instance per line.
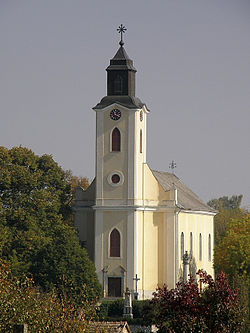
183 309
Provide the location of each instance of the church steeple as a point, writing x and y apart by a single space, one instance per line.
121 74
120 80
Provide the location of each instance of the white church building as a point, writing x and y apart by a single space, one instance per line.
136 223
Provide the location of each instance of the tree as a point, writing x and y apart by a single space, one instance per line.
76 181
35 201
184 309
228 208
232 254
232 247
43 312
226 203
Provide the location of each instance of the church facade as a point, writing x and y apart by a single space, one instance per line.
136 223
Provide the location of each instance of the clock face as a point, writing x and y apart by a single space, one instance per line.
115 114
141 116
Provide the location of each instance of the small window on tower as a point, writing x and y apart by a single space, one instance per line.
140 141
118 84
116 140
115 179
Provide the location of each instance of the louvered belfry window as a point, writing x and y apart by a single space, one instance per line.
116 140
115 243
118 85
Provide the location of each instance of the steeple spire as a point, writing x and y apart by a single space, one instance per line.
121 79
121 72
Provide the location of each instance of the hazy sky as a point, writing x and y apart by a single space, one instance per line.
193 72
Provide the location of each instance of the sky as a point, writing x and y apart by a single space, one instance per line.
193 72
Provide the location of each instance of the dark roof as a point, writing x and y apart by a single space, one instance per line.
129 102
186 198
121 61
121 54
112 327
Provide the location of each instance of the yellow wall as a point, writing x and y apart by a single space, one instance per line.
115 160
153 250
197 224
153 191
115 219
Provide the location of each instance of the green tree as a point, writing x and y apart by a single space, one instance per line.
35 201
232 246
232 254
228 209
226 203
43 312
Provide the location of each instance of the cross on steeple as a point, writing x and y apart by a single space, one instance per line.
121 30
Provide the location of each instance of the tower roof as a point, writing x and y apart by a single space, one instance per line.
121 54
121 61
120 79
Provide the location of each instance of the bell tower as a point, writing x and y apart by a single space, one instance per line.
120 135
120 158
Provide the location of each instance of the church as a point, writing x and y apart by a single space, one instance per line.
136 223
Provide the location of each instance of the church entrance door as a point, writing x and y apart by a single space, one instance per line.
114 286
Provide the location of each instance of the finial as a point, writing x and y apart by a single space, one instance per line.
121 30
172 166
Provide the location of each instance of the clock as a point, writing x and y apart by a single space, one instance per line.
115 114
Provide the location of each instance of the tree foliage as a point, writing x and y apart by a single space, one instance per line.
228 209
232 246
22 303
35 201
226 203
76 181
184 309
232 254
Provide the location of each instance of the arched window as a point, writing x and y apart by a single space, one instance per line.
116 140
200 247
140 141
182 244
115 241
191 244
209 248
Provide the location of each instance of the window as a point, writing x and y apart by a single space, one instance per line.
115 243
116 140
209 248
140 141
182 245
191 244
115 179
200 247
118 85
